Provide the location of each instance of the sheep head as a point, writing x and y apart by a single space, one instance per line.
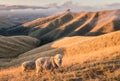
58 59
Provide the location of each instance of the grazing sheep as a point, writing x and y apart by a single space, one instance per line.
28 65
48 63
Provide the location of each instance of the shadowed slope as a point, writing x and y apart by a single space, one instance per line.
49 26
83 23
107 22
6 22
40 21
15 45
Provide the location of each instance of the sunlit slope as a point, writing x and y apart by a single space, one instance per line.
85 59
89 42
78 47
47 27
51 28
72 24
40 21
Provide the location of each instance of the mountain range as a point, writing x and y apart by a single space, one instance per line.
68 24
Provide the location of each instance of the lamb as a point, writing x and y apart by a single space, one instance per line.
48 63
28 65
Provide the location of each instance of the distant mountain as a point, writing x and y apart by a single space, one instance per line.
48 29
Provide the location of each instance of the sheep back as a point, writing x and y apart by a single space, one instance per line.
46 63
28 65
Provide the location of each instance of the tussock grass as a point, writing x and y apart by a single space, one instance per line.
101 70
98 64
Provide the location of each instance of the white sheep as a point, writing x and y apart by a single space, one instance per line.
28 65
48 63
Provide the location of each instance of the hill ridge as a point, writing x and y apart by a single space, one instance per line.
67 24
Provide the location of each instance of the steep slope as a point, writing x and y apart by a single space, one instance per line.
107 22
83 23
40 21
53 27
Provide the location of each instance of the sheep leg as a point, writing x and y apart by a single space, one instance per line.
52 71
39 70
23 69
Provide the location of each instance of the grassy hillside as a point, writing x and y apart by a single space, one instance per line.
13 46
72 24
85 59
107 70
51 28
88 41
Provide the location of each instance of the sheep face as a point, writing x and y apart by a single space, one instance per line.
58 59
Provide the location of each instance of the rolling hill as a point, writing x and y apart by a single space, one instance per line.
83 57
53 27
11 47
88 41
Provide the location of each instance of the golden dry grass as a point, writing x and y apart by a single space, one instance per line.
104 70
53 27
78 45
85 57
98 60
41 21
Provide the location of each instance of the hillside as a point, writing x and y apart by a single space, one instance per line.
11 47
88 41
93 57
53 27
84 23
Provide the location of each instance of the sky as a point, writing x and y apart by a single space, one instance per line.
45 2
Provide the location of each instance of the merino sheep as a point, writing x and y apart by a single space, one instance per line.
28 65
48 63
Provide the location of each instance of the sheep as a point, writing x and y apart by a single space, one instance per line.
28 65
48 63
